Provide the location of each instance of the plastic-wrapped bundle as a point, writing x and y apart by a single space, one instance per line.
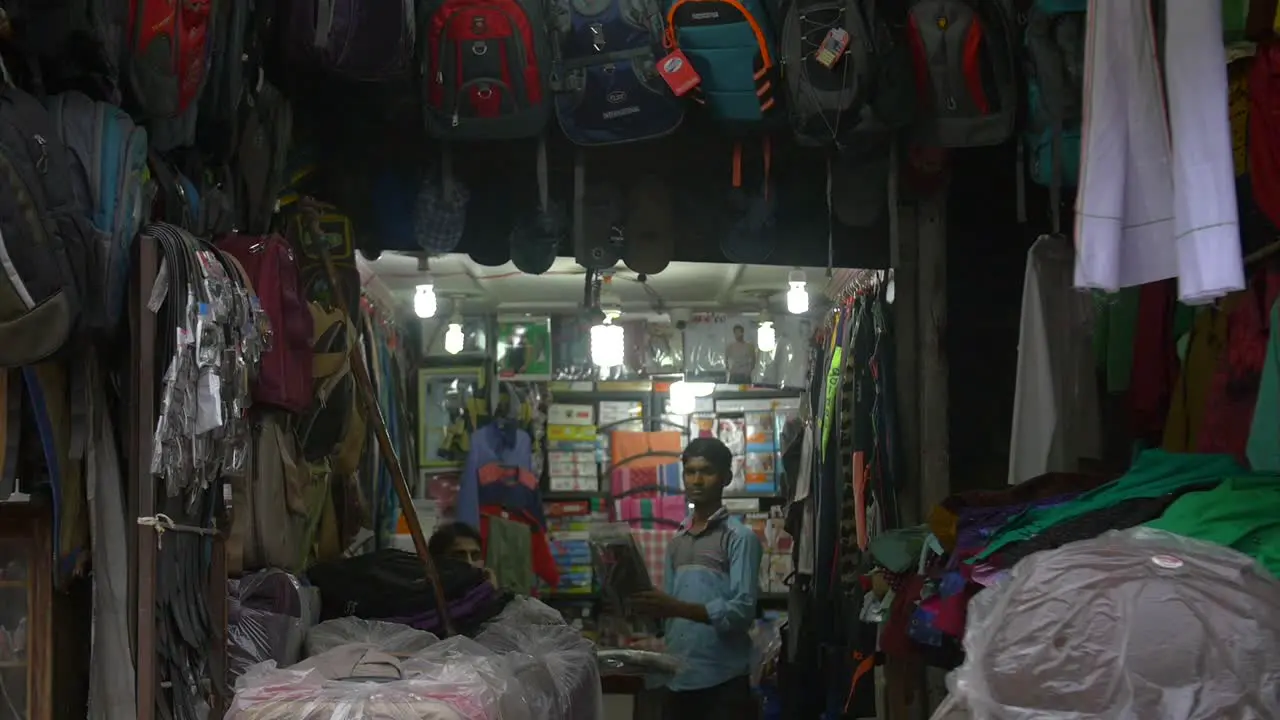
658 667
1129 625
392 638
552 663
529 611
268 616
453 680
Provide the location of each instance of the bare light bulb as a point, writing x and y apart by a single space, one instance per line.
424 301
766 337
453 339
607 344
797 295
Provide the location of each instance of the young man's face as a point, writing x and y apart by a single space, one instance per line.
738 334
702 483
468 551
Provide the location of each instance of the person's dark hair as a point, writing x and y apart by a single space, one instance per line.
716 453
446 535
739 327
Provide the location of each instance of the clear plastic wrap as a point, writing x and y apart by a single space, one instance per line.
647 663
269 613
392 638
766 646
549 660
456 679
1130 625
529 611
461 661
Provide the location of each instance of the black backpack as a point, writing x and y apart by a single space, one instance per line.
44 236
240 34
865 93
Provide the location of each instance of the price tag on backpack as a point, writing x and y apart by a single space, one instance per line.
833 47
678 73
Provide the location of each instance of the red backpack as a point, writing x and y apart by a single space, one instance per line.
1264 130
285 378
168 53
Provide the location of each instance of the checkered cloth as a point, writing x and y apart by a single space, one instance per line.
438 221
653 548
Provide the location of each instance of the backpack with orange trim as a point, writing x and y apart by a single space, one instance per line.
731 44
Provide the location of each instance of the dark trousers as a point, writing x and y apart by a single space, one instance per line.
731 700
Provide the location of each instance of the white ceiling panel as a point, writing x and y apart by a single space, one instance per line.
682 285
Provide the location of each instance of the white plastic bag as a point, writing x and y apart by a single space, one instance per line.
388 637
1131 625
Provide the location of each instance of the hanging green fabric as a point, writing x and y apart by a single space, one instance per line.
1242 513
1154 473
1263 448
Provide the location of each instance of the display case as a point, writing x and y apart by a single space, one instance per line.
25 612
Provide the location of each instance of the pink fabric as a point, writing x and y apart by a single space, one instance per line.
653 548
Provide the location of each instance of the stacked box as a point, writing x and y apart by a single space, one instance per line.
568 530
571 449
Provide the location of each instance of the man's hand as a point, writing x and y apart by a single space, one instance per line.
492 577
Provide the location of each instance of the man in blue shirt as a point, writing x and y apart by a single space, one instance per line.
709 597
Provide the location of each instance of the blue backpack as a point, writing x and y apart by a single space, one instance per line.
109 175
604 72
732 46
1054 43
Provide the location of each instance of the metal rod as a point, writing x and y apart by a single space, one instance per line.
144 378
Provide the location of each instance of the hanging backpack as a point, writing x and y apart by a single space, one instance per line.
269 504
49 254
272 269
731 47
853 96
109 175
1055 93
168 54
484 67
260 157
365 40
241 33
605 76
963 54
334 412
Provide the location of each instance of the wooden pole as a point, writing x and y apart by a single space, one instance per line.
373 411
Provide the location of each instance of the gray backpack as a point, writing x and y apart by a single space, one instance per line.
108 154
826 103
969 100
47 290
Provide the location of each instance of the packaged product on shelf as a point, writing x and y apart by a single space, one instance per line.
571 449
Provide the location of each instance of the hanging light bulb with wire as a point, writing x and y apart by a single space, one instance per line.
454 340
424 300
766 336
424 296
797 295
607 343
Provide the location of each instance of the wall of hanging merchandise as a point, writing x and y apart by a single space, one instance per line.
845 454
391 360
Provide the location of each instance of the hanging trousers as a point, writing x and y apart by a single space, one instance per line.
1157 196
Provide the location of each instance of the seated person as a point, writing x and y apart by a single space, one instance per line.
461 542
709 598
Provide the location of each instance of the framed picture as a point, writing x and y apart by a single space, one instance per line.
448 400
524 348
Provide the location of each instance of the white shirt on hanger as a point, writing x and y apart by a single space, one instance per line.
1055 402
1157 198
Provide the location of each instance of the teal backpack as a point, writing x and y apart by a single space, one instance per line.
1054 43
731 44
